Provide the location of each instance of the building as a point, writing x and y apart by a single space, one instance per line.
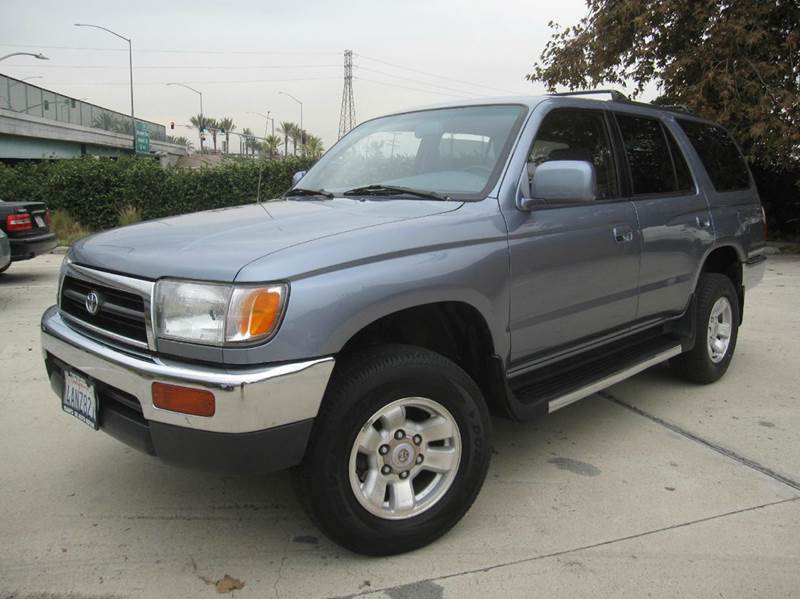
37 124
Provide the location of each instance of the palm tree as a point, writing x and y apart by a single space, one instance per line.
297 138
314 147
213 126
181 141
286 129
200 122
271 144
247 134
227 125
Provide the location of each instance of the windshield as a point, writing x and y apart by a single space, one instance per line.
455 152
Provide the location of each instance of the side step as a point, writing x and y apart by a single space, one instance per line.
557 385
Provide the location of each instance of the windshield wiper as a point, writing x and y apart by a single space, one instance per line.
299 191
366 190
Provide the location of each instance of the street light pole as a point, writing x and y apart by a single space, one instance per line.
130 68
301 117
202 119
40 56
267 120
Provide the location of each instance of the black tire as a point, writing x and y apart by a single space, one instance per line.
5 268
361 385
696 365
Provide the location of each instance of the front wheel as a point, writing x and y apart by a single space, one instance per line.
400 450
717 314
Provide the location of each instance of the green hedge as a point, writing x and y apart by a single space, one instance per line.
93 190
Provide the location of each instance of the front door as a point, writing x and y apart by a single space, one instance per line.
575 267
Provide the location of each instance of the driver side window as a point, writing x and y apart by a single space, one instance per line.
569 134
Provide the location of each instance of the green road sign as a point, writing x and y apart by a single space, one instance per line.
142 139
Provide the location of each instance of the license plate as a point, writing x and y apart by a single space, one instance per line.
79 399
39 221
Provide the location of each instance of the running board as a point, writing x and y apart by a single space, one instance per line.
619 376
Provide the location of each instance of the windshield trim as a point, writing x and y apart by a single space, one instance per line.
502 156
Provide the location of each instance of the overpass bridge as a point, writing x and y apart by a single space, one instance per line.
39 124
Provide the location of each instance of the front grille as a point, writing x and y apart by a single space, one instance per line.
120 312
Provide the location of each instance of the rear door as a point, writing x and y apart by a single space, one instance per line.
673 215
574 267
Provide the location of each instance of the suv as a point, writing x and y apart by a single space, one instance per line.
512 255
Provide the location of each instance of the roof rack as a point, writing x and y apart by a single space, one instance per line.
617 96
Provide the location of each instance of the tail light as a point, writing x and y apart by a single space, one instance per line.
764 218
47 218
18 222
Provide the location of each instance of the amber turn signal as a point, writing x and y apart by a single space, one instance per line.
185 400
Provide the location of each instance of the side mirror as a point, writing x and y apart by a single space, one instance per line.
561 182
297 176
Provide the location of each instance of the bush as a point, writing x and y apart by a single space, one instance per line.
66 228
94 190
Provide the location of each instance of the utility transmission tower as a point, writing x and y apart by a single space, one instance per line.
347 119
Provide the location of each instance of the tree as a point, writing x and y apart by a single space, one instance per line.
227 125
314 147
213 126
734 62
200 122
181 141
286 129
271 145
737 63
248 135
297 138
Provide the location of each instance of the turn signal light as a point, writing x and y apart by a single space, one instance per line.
185 400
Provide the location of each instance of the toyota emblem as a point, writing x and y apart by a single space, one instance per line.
92 302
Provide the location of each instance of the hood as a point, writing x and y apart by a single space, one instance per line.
216 244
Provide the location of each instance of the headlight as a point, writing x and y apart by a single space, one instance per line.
217 314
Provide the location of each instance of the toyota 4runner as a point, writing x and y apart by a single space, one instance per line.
508 255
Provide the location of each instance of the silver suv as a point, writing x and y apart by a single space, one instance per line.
512 255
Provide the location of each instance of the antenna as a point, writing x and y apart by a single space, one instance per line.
347 118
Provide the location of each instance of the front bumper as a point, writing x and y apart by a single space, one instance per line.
263 415
25 248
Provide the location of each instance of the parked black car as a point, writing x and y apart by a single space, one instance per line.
27 225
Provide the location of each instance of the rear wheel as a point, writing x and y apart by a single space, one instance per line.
717 313
400 450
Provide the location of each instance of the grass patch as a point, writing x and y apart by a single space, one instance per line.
66 228
129 215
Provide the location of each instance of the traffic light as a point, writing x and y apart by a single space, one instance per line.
172 124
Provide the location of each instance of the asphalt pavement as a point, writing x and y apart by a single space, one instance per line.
653 488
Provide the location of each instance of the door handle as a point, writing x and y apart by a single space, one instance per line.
702 222
623 234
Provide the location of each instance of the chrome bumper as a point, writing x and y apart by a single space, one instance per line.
246 400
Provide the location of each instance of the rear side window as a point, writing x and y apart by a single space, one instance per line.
720 156
648 155
683 177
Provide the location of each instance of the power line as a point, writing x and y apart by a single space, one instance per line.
426 83
226 67
438 76
175 51
416 89
215 82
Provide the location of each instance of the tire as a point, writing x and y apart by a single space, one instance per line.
706 362
379 381
5 268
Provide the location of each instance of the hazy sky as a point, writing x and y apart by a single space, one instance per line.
240 54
